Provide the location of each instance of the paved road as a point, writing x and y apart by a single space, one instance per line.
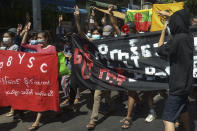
69 121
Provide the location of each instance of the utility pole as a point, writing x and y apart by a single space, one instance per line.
130 4
36 15
142 3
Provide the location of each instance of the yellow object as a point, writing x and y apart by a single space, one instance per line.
117 14
157 20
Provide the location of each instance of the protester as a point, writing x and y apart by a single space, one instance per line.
8 41
98 93
41 47
32 40
74 94
42 39
132 95
65 82
18 33
64 37
14 45
8 44
64 27
105 27
95 33
179 49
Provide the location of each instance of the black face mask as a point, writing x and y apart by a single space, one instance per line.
179 22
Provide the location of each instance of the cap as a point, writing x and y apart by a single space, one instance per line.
13 30
107 30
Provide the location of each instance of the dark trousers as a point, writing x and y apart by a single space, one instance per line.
73 92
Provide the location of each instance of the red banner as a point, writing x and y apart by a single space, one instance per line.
28 81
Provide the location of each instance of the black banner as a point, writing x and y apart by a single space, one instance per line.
123 63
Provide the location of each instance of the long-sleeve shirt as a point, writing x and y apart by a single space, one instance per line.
39 49
179 50
13 47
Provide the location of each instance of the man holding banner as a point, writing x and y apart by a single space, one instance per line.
179 50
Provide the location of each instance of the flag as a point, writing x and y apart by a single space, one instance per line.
141 18
157 20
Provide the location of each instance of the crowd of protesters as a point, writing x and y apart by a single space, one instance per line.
27 40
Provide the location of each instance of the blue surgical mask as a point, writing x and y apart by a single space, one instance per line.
33 42
96 37
40 41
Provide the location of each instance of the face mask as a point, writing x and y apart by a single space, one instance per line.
40 41
96 37
89 35
33 42
115 35
6 40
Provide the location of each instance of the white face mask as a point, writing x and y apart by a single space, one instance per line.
40 41
6 40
